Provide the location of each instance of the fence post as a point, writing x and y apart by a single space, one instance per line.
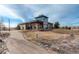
37 36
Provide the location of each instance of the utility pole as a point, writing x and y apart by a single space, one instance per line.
0 26
9 24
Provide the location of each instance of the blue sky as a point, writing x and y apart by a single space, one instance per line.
66 14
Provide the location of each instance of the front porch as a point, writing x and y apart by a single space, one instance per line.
34 26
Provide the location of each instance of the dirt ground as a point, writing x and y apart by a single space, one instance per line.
60 41
17 44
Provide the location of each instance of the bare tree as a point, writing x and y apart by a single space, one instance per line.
1 24
56 25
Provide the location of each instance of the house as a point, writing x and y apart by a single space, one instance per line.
40 23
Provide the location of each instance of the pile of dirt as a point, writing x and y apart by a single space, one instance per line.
4 35
3 47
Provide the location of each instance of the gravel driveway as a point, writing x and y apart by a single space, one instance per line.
16 44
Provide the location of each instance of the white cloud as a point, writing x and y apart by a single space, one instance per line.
11 25
55 12
4 11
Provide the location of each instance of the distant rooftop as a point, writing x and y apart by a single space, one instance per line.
41 16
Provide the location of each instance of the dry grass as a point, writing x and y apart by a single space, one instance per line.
66 31
49 35
59 40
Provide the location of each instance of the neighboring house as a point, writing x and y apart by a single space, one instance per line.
40 23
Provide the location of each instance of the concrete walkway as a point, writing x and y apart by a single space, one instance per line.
16 44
